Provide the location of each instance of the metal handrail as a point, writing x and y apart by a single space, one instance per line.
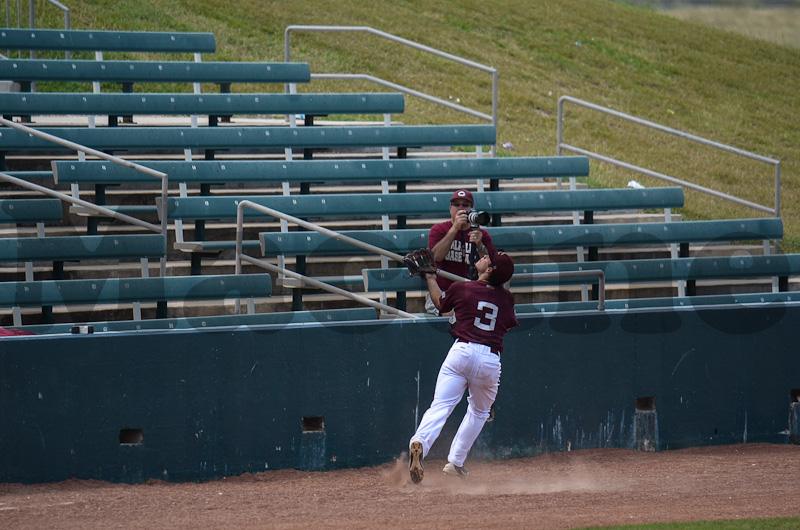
240 256
409 91
411 44
162 229
775 211
316 228
321 285
311 226
57 5
32 17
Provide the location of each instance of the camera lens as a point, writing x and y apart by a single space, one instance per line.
477 218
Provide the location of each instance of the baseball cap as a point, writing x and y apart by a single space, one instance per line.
462 194
503 268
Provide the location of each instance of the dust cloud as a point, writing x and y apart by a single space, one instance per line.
493 478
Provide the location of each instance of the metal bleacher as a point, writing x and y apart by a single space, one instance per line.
367 187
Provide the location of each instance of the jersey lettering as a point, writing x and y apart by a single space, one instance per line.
459 253
490 314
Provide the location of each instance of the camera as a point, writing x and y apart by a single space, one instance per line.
477 218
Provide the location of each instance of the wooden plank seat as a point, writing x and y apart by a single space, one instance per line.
122 290
107 40
32 104
30 211
28 70
133 138
625 271
283 318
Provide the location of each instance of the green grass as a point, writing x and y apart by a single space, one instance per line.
782 523
716 84
780 25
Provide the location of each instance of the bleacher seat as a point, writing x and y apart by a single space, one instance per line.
107 40
121 290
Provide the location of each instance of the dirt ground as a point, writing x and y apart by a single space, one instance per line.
562 490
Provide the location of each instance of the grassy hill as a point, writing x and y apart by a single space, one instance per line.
711 83
780 24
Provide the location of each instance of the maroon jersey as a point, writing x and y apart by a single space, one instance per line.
457 260
483 312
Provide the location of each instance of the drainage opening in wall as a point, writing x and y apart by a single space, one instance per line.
794 416
130 436
645 424
645 404
313 424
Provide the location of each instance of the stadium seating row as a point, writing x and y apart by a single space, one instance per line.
252 137
106 40
24 104
532 237
128 72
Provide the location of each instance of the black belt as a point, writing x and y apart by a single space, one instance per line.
492 349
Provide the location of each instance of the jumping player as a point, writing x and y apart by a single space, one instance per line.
455 245
484 311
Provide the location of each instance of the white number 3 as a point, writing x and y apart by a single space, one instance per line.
489 314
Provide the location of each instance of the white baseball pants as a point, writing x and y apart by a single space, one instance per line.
467 365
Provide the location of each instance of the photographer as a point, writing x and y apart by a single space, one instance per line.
456 244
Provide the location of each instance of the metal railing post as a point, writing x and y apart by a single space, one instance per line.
601 282
32 19
411 44
774 211
162 228
330 233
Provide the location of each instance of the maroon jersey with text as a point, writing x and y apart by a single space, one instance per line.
483 312
457 260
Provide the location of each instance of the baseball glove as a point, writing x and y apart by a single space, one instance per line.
420 262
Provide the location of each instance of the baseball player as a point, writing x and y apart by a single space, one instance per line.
484 312
456 246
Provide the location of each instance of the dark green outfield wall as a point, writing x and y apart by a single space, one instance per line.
217 403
